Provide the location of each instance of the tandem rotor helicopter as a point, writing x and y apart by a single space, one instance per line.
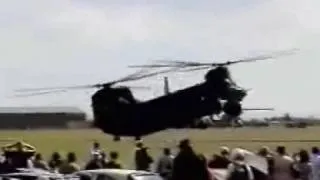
118 113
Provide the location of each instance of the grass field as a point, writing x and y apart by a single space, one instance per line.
207 141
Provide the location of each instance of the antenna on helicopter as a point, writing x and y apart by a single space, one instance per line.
166 86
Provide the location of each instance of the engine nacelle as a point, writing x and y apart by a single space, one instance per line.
232 108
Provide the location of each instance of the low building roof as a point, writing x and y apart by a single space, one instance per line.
48 109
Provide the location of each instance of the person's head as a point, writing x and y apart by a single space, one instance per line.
55 156
139 144
38 157
281 150
71 157
224 151
166 151
185 144
238 158
96 145
315 150
264 151
303 156
114 155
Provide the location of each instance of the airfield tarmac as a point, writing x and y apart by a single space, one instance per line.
205 141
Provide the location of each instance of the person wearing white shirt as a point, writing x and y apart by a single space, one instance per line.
96 149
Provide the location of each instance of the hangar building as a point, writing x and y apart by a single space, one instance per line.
39 117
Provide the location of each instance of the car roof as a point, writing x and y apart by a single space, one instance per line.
115 173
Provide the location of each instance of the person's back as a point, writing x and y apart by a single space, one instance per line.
143 159
315 163
165 164
282 165
184 166
187 165
305 171
40 163
113 163
94 163
70 166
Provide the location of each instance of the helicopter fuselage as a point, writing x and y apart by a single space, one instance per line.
116 112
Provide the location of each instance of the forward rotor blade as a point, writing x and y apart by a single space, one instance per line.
186 64
176 62
258 58
151 66
194 69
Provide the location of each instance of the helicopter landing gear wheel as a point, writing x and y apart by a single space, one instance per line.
116 138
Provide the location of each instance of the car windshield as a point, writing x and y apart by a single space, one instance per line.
145 177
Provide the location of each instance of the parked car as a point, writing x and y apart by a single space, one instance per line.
32 174
116 174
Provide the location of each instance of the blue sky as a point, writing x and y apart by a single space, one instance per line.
55 43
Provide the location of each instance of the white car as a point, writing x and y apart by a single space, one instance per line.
116 174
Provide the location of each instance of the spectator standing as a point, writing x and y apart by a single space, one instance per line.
238 169
94 163
304 166
96 149
40 163
187 165
265 153
315 163
222 160
55 162
113 163
165 164
70 166
282 165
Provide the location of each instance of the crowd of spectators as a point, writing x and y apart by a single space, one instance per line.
186 164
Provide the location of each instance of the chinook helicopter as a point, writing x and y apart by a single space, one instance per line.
118 113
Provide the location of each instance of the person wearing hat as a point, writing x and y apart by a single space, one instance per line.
238 169
20 154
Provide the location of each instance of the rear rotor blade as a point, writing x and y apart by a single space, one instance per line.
53 88
131 77
136 87
39 93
